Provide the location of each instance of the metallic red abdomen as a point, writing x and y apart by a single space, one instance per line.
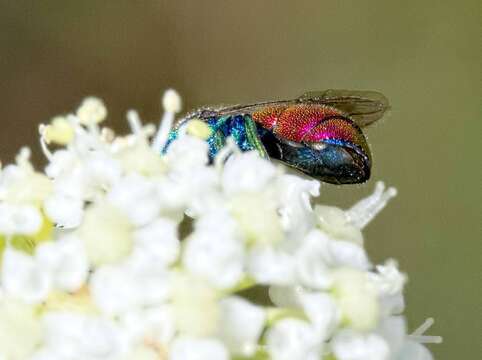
310 124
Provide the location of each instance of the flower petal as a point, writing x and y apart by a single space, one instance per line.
23 278
247 172
241 325
293 339
159 240
66 261
348 345
185 348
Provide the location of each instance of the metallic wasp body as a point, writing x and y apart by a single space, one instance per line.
318 133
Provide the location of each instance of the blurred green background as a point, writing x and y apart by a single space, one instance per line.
423 55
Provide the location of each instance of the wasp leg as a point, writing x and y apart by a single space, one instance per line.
243 130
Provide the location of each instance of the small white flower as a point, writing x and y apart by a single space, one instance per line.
64 210
137 198
151 280
388 278
187 154
83 176
312 265
45 354
142 159
392 304
296 213
191 185
73 184
318 255
19 219
217 221
112 289
344 253
77 336
402 347
414 351
61 162
142 352
106 233
292 339
20 184
102 170
271 266
335 223
23 278
195 305
186 348
319 308
118 288
241 325
66 262
173 195
247 172
217 258
20 330
322 311
394 330
159 240
56 265
357 299
214 250
349 345
194 194
155 326
256 214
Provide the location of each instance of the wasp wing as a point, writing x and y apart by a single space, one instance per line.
209 111
364 107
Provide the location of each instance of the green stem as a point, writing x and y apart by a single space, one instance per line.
245 283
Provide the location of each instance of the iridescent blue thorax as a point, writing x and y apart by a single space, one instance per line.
240 128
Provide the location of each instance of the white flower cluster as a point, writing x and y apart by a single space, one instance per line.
119 252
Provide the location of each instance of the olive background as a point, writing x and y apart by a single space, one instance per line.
424 56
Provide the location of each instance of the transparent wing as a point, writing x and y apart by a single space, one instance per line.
364 107
209 111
